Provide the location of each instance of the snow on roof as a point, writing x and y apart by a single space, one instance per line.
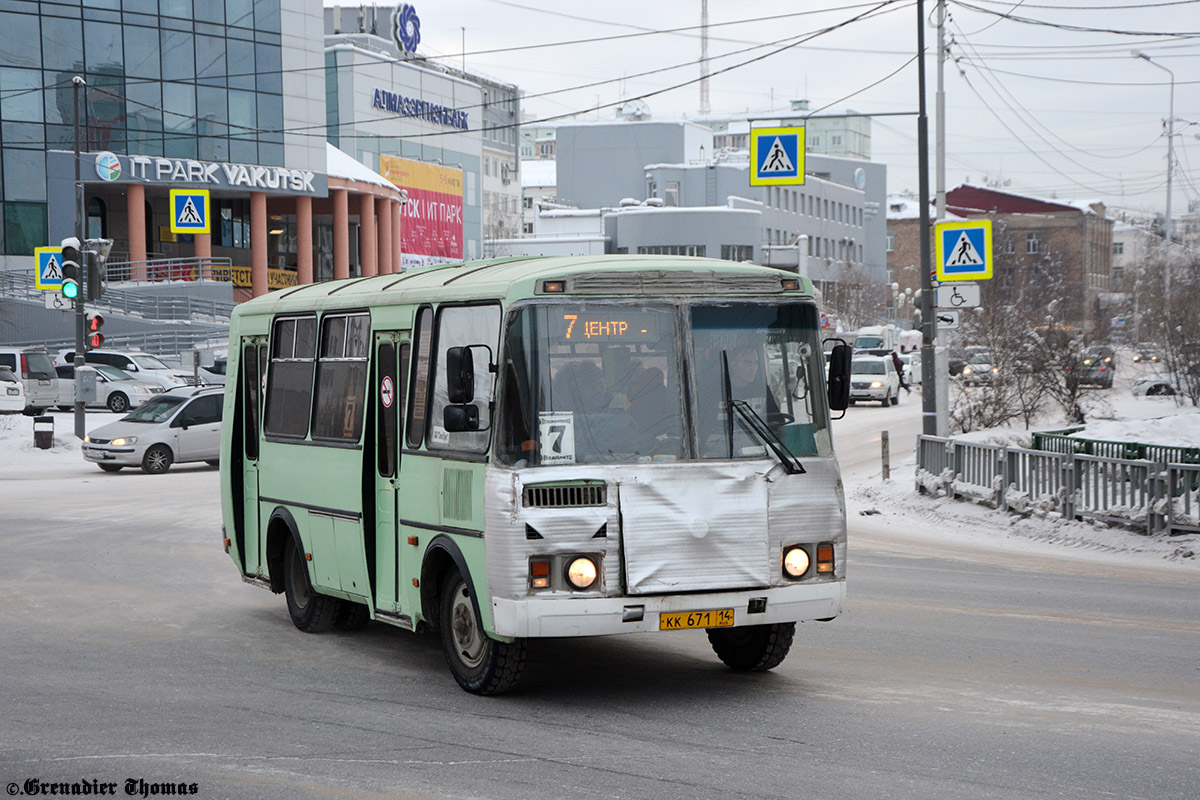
342 165
903 207
539 172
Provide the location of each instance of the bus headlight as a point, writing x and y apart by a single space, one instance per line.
582 572
795 562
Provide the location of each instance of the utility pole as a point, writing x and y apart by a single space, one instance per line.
940 103
928 323
77 83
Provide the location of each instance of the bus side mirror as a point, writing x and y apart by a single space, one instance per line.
839 377
459 418
460 377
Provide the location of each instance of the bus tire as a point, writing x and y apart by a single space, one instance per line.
754 648
351 616
310 612
481 665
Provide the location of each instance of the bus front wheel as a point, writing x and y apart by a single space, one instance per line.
753 648
310 612
481 665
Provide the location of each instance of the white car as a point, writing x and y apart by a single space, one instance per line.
142 366
116 390
1155 386
12 392
874 378
173 427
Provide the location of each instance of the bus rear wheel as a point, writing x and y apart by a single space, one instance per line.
310 612
481 665
754 648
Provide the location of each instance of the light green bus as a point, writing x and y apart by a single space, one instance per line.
540 447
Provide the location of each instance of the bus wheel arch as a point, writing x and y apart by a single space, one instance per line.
442 558
281 528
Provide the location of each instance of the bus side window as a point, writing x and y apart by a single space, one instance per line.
289 380
342 376
418 404
464 326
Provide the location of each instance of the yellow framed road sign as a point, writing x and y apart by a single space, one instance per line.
776 156
49 268
189 211
963 250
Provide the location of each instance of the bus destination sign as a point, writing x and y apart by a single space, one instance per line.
609 326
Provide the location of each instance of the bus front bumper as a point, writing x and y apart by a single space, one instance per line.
566 615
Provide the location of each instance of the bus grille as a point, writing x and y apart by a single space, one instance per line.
672 282
565 496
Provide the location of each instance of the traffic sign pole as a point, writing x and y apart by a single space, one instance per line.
77 82
928 329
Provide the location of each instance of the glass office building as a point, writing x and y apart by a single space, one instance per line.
202 80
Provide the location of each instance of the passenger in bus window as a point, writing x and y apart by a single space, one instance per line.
649 404
601 432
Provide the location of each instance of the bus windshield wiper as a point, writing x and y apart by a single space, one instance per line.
755 423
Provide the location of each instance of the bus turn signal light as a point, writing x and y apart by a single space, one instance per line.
539 574
825 558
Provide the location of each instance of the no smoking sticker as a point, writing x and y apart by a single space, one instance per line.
387 392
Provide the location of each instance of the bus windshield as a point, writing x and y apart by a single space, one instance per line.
604 383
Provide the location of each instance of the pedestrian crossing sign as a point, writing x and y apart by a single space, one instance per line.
189 211
964 250
49 268
776 156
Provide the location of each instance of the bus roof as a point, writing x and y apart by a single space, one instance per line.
515 278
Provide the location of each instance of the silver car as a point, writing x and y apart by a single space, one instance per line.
116 390
177 426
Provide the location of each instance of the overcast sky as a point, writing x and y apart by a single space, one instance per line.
1040 109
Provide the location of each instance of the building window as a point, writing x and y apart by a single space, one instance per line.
1118 250
891 241
673 250
527 227
671 193
834 141
1118 274
1033 243
737 252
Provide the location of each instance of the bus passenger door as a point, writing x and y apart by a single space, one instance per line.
391 371
253 377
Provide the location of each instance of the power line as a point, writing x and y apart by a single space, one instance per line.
1076 28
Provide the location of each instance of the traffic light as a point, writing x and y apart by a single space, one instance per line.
71 272
95 338
97 267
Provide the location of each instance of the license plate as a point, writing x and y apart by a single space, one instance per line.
14 391
684 620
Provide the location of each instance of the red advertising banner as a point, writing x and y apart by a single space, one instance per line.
431 223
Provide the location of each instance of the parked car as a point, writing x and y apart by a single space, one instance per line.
980 370
12 392
173 427
1154 386
914 367
33 367
143 366
215 375
874 378
116 389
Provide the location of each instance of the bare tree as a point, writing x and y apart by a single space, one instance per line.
859 300
1171 322
1027 323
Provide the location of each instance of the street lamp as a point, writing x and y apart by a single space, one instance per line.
1170 165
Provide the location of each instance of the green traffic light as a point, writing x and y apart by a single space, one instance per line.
70 290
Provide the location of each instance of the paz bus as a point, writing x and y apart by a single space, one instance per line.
540 447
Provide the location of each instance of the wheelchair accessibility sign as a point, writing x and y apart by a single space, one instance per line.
189 211
964 250
776 156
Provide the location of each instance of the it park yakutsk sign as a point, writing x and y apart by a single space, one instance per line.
149 169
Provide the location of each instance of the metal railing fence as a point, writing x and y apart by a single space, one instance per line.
147 305
1152 497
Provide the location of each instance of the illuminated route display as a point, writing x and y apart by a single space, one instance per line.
609 325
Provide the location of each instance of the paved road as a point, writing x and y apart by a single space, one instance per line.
130 650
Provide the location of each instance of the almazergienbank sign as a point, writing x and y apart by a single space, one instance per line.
112 168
